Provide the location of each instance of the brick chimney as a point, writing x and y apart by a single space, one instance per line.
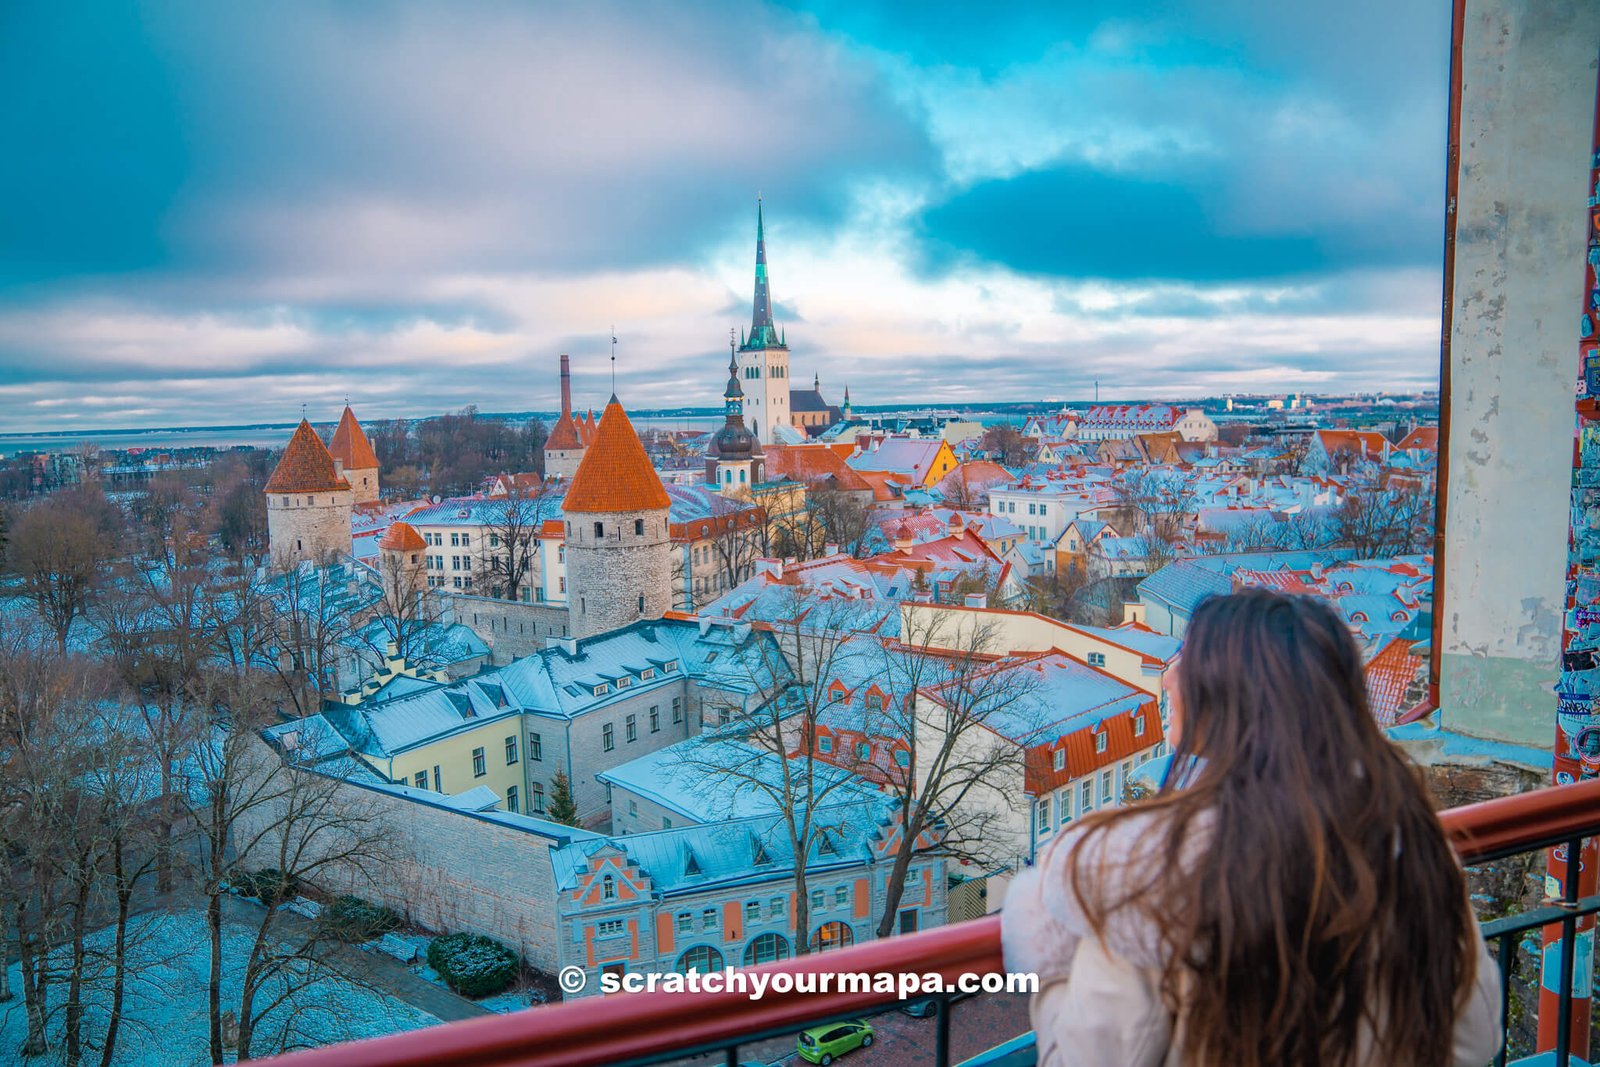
566 384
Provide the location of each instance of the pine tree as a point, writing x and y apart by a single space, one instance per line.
562 808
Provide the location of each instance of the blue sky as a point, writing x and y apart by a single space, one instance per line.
217 213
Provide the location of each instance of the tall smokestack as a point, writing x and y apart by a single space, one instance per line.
566 385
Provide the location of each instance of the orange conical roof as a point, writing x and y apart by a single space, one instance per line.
402 537
306 466
615 474
350 445
565 435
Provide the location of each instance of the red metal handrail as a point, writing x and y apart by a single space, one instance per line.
602 1030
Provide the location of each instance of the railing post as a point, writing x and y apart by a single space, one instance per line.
1569 952
941 1031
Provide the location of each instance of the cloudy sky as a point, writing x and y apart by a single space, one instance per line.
217 212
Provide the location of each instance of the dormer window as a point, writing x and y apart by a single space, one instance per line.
647 674
670 666
1138 726
1100 742
600 690
1061 759
624 682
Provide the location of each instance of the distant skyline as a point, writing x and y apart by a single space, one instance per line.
213 214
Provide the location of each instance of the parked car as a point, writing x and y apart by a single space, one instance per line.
822 1044
924 1007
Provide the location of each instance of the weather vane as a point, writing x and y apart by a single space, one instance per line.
613 359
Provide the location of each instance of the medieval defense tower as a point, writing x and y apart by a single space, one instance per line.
564 448
619 552
357 461
308 503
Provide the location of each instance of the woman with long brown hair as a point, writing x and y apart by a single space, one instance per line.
1286 899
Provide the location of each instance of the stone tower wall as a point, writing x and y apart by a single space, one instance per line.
401 577
562 462
310 526
363 484
608 573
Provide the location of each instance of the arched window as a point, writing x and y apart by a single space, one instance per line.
741 476
599 529
830 936
638 527
766 949
702 958
608 888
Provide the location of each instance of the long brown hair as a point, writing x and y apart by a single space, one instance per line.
1316 899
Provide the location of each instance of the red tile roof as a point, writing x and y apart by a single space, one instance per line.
1368 444
350 445
1423 437
565 436
615 474
1396 677
306 466
1040 775
812 464
402 537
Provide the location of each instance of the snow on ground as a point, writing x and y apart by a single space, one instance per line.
165 1002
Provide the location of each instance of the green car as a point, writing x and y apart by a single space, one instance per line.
821 1044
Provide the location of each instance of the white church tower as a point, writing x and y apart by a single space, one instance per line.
763 358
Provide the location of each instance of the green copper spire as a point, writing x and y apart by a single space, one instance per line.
763 333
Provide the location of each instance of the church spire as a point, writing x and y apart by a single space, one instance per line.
763 333
733 395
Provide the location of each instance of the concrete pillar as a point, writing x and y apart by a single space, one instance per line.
1528 74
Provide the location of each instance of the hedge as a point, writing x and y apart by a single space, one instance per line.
355 920
473 965
269 885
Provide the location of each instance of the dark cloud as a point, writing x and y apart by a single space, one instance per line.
213 212
1075 221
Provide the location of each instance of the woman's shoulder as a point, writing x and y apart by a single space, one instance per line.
1093 865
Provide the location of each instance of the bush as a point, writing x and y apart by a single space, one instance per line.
354 920
268 885
472 965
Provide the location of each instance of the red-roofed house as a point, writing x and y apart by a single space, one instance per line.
1336 450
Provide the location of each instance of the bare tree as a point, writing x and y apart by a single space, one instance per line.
1056 594
1006 445
737 539
1379 522
779 690
509 561
254 810
71 836
60 549
307 615
945 692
